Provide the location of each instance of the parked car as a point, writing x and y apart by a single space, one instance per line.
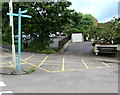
23 37
32 36
52 35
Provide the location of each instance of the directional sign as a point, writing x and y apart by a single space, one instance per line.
19 32
25 11
17 15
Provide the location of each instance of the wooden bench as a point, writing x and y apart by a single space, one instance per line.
105 49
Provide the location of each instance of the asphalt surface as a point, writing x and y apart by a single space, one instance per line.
77 70
80 48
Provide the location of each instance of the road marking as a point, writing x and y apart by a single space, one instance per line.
29 63
29 57
44 69
4 63
43 61
63 64
85 64
23 63
80 69
35 66
100 67
5 56
105 64
4 66
11 65
5 92
2 84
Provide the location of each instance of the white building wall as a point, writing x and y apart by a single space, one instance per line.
77 37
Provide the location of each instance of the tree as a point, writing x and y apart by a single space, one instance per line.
80 23
108 31
47 17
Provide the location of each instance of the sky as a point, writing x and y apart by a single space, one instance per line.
102 10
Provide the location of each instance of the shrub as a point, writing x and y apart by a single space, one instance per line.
71 30
117 40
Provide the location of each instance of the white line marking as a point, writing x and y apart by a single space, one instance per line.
2 84
5 92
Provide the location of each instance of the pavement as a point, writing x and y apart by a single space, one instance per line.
77 70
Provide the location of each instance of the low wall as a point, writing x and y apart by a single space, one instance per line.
62 44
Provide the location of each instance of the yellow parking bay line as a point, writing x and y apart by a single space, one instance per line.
11 64
4 66
29 63
85 64
63 64
43 61
29 57
35 66
105 64
4 63
5 56
44 69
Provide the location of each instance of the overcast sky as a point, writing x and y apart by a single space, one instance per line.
102 10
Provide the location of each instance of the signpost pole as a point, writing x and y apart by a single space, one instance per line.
19 39
19 33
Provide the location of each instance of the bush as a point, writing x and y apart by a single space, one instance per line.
71 30
117 40
100 42
46 51
6 37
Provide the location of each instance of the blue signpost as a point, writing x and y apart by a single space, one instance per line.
19 32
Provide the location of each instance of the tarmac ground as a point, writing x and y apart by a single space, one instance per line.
69 72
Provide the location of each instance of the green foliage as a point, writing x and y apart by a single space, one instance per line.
117 40
108 31
80 23
13 72
47 50
71 30
6 37
30 70
47 17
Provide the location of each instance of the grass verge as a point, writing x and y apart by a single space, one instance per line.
46 51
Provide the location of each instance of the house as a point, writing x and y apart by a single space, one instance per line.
95 22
